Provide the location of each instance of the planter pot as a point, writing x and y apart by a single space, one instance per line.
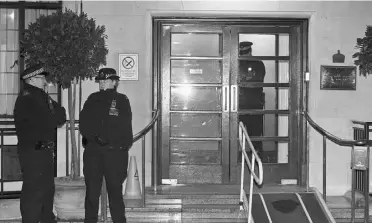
69 198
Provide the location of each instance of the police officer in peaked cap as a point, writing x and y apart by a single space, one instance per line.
106 126
36 117
251 70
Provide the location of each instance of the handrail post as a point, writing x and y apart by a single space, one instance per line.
251 190
67 150
241 183
366 189
306 132
143 170
242 169
353 177
325 168
366 173
155 160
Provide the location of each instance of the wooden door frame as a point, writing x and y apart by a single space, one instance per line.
302 38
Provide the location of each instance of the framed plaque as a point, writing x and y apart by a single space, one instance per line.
337 77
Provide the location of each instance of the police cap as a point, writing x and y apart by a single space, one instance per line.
107 73
34 70
245 46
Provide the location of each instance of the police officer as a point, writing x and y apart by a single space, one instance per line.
36 117
106 125
251 97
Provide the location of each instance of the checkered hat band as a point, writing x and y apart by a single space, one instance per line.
110 75
34 73
245 47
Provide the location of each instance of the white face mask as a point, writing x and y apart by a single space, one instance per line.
107 84
39 81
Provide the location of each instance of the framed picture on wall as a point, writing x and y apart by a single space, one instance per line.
337 77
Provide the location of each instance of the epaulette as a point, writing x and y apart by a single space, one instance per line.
122 96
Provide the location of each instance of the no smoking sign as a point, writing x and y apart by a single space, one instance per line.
128 63
128 66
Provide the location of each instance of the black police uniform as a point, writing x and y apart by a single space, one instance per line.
36 118
106 125
251 98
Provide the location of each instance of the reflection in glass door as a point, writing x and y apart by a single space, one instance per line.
194 105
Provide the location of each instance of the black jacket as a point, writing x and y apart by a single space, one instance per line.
251 97
36 117
112 125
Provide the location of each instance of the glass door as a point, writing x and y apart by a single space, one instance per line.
264 77
195 104
208 85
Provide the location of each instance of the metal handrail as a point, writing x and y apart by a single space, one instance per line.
145 130
243 201
341 142
142 134
360 122
331 137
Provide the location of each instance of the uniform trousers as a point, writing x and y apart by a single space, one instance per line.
254 126
38 187
252 98
109 163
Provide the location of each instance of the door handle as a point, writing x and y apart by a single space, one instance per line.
225 98
234 98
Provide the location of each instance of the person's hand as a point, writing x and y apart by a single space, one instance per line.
100 140
50 104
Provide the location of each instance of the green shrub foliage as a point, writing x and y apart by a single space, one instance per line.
364 55
69 44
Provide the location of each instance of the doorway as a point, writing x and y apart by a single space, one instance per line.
208 84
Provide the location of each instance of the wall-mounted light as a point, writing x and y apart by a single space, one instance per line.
338 57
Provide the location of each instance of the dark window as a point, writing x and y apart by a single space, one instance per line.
14 18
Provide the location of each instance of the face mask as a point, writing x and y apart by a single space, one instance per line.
39 82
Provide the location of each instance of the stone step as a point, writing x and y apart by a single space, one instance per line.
340 208
187 211
212 211
349 221
345 213
160 213
136 220
192 199
190 220
225 220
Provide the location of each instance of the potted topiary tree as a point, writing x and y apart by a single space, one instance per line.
72 47
364 55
